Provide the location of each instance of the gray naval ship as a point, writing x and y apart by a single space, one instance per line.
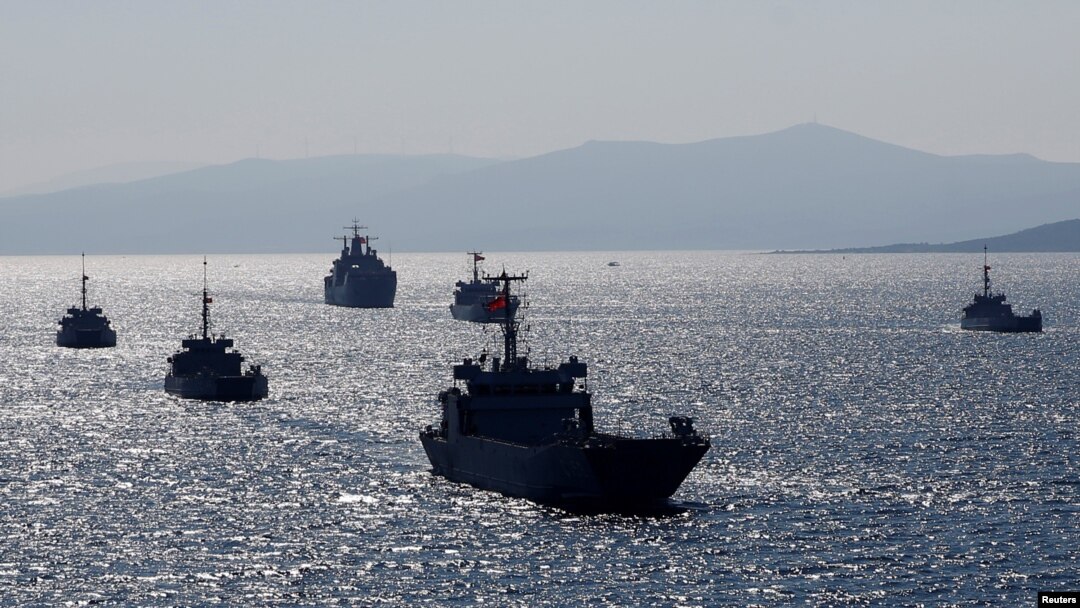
85 327
359 279
529 433
989 312
206 369
479 300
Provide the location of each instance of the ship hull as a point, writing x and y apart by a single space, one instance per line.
362 292
478 313
610 473
86 338
218 388
1003 324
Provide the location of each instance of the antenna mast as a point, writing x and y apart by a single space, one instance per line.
510 324
356 228
476 257
205 303
84 280
986 274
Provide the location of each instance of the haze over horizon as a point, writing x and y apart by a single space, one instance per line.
107 83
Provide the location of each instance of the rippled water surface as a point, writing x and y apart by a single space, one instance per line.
865 450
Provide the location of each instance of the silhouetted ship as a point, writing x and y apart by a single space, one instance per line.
359 279
989 312
206 369
85 327
529 433
479 300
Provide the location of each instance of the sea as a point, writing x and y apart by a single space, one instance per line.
865 450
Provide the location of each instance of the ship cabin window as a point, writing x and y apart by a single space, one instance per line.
536 389
519 389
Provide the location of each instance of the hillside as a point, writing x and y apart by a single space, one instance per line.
807 187
111 174
1055 237
254 205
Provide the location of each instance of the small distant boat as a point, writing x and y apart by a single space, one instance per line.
85 327
359 278
206 369
479 300
614 264
989 312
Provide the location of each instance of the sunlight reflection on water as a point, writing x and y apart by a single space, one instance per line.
864 449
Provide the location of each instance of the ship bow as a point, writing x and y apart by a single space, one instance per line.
633 471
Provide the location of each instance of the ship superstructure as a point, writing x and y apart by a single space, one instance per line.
359 278
989 312
529 432
85 327
479 300
206 368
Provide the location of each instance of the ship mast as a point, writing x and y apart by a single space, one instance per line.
986 274
476 257
205 303
510 324
356 228
84 280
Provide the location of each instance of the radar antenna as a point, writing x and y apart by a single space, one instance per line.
356 228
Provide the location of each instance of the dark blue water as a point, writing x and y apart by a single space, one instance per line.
865 450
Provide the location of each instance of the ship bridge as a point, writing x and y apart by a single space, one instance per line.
524 405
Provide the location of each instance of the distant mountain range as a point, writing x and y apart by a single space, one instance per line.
1056 237
111 174
806 187
254 205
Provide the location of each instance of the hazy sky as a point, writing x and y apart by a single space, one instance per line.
89 84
